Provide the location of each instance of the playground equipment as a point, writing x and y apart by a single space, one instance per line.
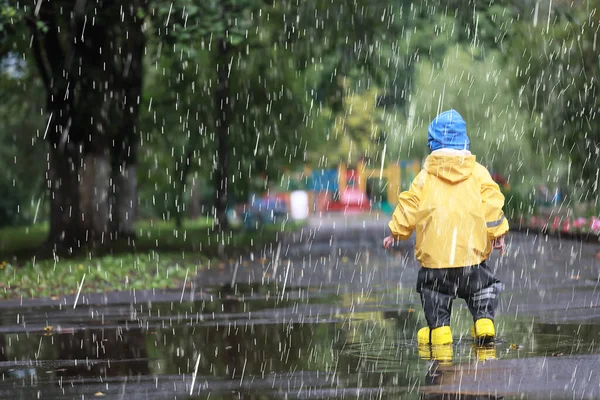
399 176
336 189
345 189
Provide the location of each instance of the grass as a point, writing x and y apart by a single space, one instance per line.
22 238
53 278
161 259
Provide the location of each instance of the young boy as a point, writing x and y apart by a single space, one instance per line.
456 209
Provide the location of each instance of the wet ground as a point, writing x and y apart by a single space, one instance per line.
325 314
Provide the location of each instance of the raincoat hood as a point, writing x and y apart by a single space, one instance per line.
448 131
450 165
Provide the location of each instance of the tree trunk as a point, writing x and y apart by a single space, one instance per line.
195 199
93 77
72 66
124 203
66 231
94 191
180 206
178 201
223 110
178 210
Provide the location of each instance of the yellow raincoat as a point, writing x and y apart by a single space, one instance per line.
456 209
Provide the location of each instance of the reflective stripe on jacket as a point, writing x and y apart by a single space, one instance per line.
455 208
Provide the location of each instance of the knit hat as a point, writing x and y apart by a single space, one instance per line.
448 131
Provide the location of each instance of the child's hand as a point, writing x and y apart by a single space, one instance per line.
499 244
388 241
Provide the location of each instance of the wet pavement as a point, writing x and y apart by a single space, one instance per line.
325 313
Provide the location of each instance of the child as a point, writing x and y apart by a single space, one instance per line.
456 209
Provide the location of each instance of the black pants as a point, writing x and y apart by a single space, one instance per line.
439 287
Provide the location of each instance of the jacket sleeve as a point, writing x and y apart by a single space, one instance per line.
493 201
404 218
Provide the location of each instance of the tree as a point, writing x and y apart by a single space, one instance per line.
89 58
276 72
21 146
176 141
556 80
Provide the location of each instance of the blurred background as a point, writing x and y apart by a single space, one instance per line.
121 118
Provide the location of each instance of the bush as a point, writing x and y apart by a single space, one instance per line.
10 204
518 205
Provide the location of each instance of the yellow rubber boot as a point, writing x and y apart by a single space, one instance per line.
424 352
441 335
483 330
423 336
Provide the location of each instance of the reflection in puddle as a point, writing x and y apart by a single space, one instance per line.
248 340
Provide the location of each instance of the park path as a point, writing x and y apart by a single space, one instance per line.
323 313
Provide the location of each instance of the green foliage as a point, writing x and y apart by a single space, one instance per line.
358 129
418 37
16 239
317 81
174 124
477 89
556 79
519 204
22 153
109 273
161 261
10 203
485 23
8 18
271 111
184 21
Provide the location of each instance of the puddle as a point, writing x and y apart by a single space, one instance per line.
333 322
247 340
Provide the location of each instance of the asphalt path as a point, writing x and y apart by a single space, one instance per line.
323 313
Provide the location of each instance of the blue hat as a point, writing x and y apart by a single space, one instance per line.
448 131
